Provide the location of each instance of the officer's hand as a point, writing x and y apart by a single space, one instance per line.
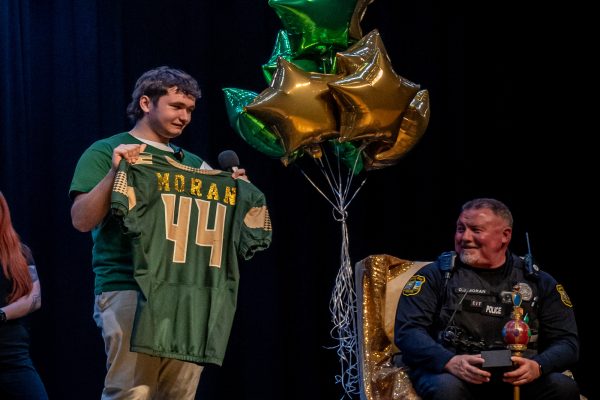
527 371
465 367
130 152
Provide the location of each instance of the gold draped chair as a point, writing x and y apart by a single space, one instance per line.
379 282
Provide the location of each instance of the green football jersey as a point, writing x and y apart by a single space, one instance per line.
188 228
111 254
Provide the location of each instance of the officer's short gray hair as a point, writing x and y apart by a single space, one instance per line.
497 207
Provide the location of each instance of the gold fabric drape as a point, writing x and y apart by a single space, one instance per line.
379 281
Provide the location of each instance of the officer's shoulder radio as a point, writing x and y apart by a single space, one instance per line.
531 270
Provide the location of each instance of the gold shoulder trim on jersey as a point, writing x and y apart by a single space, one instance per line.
144 159
258 217
192 169
120 183
131 197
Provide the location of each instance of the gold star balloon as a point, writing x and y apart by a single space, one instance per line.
361 53
297 106
372 101
414 122
318 26
252 130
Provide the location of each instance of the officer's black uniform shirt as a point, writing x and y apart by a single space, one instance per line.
483 303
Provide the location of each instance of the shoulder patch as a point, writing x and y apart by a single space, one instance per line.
564 297
414 285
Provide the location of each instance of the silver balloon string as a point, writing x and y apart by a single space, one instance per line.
342 305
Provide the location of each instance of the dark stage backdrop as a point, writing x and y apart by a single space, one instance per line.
505 113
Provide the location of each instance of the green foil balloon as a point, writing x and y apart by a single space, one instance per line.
250 128
317 26
349 155
283 49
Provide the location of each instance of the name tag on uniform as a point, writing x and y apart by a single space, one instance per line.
475 305
462 290
493 309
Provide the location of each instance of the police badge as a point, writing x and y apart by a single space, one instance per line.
525 291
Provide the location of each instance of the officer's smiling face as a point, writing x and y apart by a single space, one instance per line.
481 238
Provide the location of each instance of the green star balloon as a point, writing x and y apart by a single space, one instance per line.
283 49
250 128
318 26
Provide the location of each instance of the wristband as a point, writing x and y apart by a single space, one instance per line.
2 316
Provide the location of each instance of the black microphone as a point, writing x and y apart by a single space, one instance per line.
229 161
177 151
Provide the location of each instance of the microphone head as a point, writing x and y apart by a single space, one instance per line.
228 160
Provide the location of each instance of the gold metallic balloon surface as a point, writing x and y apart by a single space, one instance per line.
370 115
413 125
372 100
297 106
361 53
253 131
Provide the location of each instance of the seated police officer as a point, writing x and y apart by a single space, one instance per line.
456 307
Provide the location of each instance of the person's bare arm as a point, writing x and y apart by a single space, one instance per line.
28 303
89 209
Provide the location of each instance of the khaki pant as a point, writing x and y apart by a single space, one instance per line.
137 376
